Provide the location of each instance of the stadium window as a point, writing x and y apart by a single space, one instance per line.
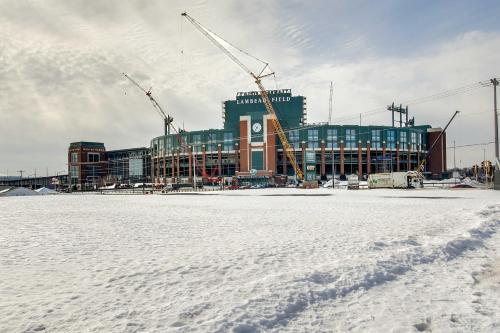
197 143
212 140
350 138
293 137
228 141
312 136
391 139
331 138
413 141
93 157
73 171
403 141
376 139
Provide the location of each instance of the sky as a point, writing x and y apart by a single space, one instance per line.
61 65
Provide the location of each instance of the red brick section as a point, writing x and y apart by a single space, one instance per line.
360 157
203 161
368 158
237 157
243 146
342 172
83 160
323 159
271 146
437 159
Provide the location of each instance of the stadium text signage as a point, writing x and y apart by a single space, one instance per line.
253 97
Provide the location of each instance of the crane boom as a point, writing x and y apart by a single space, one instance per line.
263 93
167 120
420 167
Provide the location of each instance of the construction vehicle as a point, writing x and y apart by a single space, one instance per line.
408 179
263 92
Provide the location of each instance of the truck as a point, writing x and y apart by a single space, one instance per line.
353 182
409 179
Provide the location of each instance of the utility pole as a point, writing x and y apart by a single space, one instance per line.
360 119
494 81
454 160
20 177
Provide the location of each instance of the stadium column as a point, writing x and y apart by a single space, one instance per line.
323 159
360 159
190 162
342 157
244 144
219 159
397 157
236 157
270 147
408 159
203 161
368 158
264 156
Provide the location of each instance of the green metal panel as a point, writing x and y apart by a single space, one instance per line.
310 170
288 108
258 160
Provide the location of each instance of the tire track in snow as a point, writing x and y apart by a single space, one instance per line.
258 314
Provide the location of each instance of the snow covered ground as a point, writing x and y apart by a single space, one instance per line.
252 261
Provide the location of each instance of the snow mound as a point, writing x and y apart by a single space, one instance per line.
18 192
45 191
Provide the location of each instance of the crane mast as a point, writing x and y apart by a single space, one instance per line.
263 92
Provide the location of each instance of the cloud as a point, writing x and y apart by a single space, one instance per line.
61 65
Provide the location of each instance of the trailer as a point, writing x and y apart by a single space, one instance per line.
409 179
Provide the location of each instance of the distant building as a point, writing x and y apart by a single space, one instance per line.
91 166
129 166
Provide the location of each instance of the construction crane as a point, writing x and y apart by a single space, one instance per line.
421 166
166 118
263 92
330 106
168 121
